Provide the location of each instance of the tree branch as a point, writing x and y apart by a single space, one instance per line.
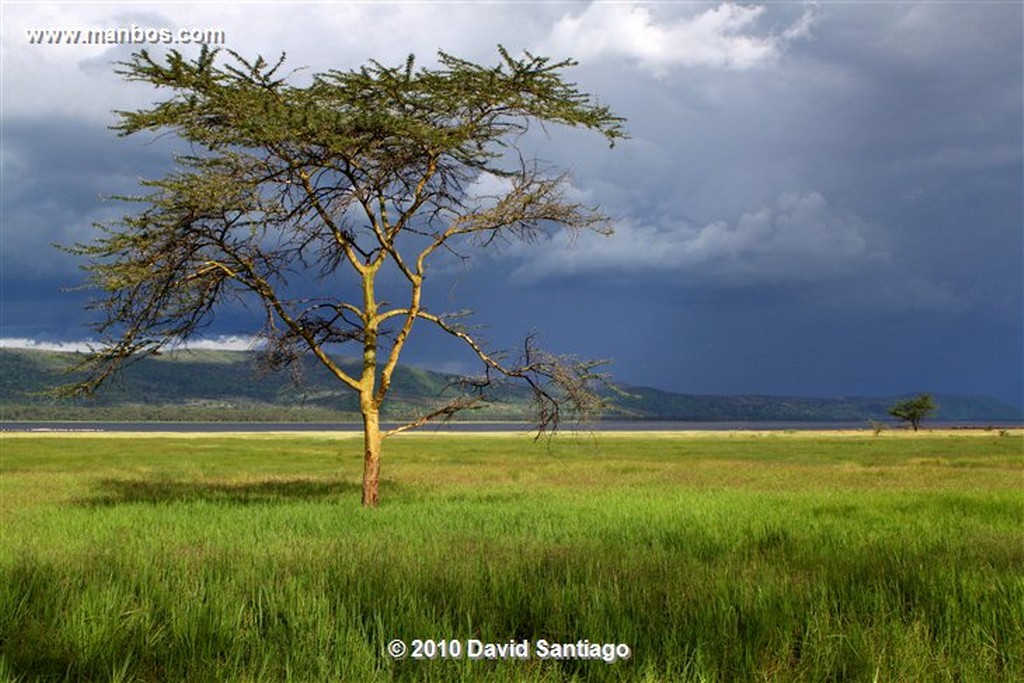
557 383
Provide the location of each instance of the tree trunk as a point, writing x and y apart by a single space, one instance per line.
371 457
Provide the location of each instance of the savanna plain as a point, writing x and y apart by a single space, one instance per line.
727 557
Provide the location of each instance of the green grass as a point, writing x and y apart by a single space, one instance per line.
781 558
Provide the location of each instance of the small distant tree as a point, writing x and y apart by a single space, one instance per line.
296 199
913 410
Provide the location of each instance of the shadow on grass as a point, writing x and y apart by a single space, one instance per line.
158 492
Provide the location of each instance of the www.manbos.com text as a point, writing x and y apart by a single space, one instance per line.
126 35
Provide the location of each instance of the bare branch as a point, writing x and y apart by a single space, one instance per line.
445 412
559 383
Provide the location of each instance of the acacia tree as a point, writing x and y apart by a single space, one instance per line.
913 410
338 180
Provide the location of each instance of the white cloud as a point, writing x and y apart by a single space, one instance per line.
800 238
23 343
78 80
718 37
487 188
220 343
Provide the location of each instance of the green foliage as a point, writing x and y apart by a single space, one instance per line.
752 558
914 410
342 176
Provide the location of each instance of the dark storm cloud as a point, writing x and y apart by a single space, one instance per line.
60 175
897 129
820 199
901 123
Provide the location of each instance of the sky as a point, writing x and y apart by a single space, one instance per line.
818 199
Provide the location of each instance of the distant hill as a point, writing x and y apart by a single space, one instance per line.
228 386
652 404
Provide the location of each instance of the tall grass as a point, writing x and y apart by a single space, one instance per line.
730 559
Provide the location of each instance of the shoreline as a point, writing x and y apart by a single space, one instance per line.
889 433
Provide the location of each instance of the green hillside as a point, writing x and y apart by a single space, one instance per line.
653 404
217 385
229 386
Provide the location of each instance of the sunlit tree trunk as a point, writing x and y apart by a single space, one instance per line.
371 457
369 406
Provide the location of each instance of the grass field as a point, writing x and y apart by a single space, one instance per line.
769 557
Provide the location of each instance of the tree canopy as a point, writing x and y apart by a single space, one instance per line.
336 180
913 410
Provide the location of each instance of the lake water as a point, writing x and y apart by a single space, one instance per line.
457 427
